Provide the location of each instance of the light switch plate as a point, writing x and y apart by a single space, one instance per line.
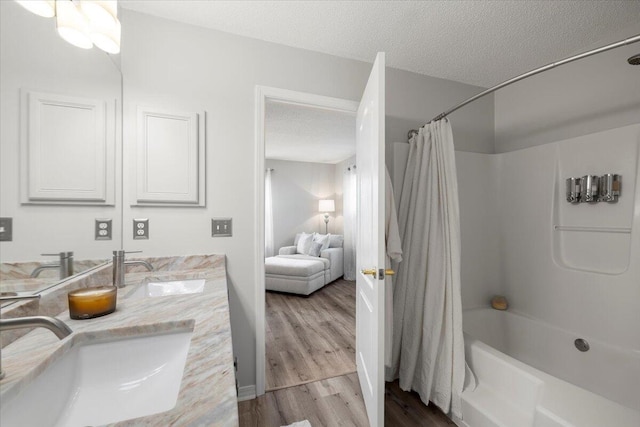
221 227
103 229
141 229
6 229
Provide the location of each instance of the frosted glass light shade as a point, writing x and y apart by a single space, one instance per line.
45 8
106 38
327 206
72 25
102 13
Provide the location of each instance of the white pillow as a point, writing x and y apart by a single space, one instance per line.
324 239
304 243
315 249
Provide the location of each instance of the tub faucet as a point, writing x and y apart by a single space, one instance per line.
65 265
119 266
57 326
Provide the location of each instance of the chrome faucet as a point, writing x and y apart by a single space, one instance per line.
65 265
57 326
119 266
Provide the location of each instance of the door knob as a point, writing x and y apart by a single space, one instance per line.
373 272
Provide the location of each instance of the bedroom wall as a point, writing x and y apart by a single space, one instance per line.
188 68
297 187
340 170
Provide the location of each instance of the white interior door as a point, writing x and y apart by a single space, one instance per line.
370 245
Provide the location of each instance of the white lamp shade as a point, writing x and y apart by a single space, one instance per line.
327 206
45 8
72 25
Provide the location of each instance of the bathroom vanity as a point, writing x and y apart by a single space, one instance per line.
181 306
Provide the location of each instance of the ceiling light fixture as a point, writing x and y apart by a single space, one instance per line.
44 8
83 23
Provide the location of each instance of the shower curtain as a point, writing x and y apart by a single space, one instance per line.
349 206
268 215
428 346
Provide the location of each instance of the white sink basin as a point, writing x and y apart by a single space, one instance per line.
103 382
161 289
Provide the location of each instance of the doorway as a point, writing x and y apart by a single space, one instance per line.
264 97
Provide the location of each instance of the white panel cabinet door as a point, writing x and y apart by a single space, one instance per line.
66 157
370 247
170 158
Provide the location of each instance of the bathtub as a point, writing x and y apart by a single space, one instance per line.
530 374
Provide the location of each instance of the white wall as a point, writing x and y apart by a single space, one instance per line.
590 95
34 57
190 68
479 228
296 189
413 99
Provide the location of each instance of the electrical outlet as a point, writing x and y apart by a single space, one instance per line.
103 229
141 229
6 229
221 227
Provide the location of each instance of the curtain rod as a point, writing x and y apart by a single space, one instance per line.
539 70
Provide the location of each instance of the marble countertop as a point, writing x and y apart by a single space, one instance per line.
208 390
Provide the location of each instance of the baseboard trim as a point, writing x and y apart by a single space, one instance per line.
247 392
457 421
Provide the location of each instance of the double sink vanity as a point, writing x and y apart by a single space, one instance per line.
164 357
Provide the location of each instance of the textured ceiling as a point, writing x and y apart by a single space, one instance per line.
305 134
475 42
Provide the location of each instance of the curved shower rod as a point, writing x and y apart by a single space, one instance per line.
624 42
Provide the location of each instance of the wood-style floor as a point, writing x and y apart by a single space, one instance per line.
311 368
310 338
337 402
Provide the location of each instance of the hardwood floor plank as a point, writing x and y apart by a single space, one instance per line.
311 338
310 368
337 402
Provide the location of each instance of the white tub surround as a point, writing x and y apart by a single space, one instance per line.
534 390
207 393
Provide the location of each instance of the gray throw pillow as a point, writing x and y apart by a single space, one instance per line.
315 249
324 239
304 243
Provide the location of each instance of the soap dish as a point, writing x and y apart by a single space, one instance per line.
87 303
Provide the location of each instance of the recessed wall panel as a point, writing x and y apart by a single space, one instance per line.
65 150
170 150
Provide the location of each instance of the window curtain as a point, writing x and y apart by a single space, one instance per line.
428 346
349 205
268 215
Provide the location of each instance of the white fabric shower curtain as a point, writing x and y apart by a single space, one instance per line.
428 346
349 206
268 215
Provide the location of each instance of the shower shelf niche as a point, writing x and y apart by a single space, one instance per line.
587 235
